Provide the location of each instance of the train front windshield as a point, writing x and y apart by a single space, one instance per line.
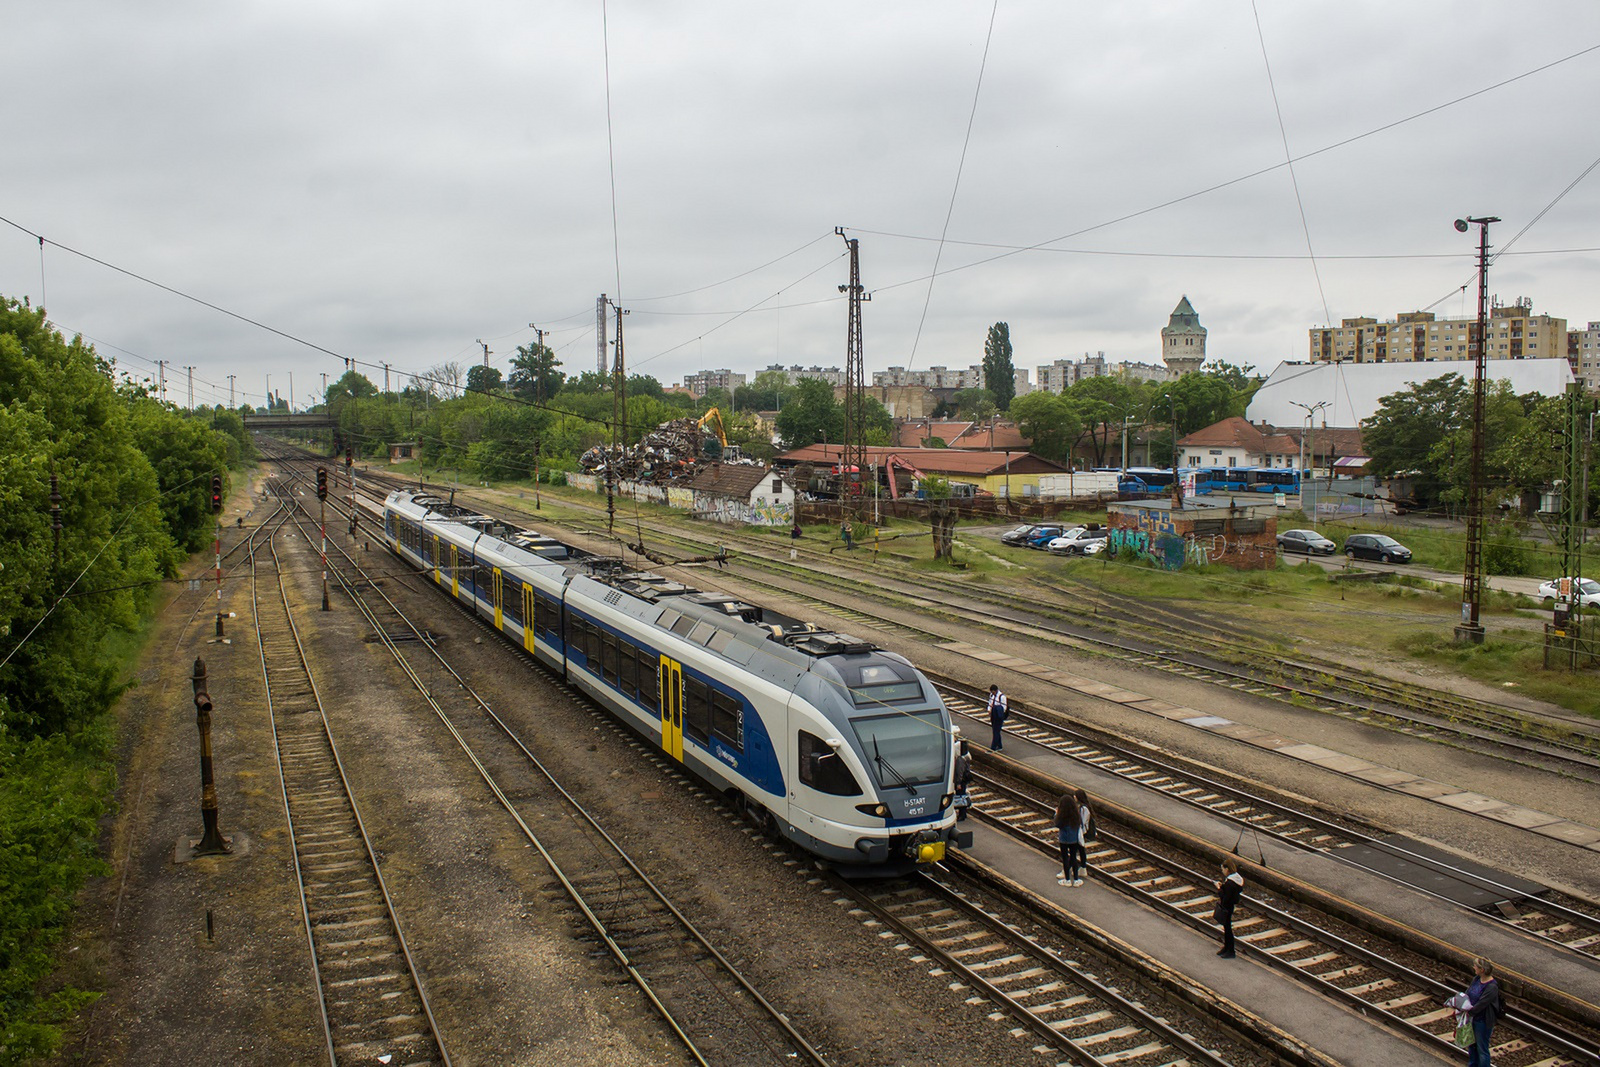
904 748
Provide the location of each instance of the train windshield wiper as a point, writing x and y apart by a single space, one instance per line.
877 757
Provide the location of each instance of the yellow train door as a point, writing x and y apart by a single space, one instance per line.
527 617
499 603
455 574
438 573
671 678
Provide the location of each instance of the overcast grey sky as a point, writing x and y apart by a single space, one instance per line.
393 181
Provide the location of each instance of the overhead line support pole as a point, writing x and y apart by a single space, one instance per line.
1469 630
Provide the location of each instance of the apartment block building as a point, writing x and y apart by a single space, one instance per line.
701 382
1514 332
932 378
1583 352
1063 374
831 375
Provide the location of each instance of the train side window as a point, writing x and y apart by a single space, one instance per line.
823 770
608 656
649 692
696 709
727 719
513 604
550 612
627 668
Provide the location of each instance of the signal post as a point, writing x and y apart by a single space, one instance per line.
322 524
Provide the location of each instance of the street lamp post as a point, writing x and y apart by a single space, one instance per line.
1305 453
1125 420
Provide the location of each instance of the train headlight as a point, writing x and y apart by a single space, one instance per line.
945 801
880 810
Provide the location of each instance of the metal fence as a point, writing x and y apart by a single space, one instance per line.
1342 498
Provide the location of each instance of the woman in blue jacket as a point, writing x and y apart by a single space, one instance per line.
1483 1000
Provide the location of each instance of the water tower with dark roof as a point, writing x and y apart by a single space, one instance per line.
1183 340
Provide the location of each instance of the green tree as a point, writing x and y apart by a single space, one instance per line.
811 416
534 373
998 373
482 379
1101 405
1049 421
974 404
185 453
1408 432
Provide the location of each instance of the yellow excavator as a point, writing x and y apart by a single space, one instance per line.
714 418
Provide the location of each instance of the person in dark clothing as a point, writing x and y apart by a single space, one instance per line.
999 708
963 778
847 534
1228 892
794 534
1483 998
1069 833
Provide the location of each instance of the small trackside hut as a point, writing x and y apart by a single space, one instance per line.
844 748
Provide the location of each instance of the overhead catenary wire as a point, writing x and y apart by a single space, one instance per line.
955 187
1288 156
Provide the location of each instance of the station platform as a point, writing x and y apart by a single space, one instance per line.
1323 1024
1444 919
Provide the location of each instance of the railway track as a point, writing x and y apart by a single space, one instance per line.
712 1008
946 919
1557 919
1401 994
1070 1010
372 998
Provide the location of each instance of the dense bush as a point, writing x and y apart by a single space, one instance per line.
133 476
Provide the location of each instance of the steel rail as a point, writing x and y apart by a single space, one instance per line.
613 947
377 873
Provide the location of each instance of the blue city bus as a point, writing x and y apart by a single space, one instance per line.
1275 480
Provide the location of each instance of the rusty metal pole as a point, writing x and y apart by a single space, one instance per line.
211 842
1469 630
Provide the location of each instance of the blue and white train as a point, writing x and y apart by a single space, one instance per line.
844 748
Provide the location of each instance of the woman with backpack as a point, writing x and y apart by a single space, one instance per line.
1069 833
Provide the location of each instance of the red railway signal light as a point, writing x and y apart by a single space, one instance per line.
216 492
322 483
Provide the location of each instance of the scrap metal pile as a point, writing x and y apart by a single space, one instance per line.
673 451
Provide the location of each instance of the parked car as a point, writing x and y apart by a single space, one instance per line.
1585 592
1380 547
1075 540
1043 535
1095 547
1308 541
1021 535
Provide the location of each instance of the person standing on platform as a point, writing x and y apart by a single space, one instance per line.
963 779
1228 892
1088 834
999 708
1483 1005
1069 832
847 535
